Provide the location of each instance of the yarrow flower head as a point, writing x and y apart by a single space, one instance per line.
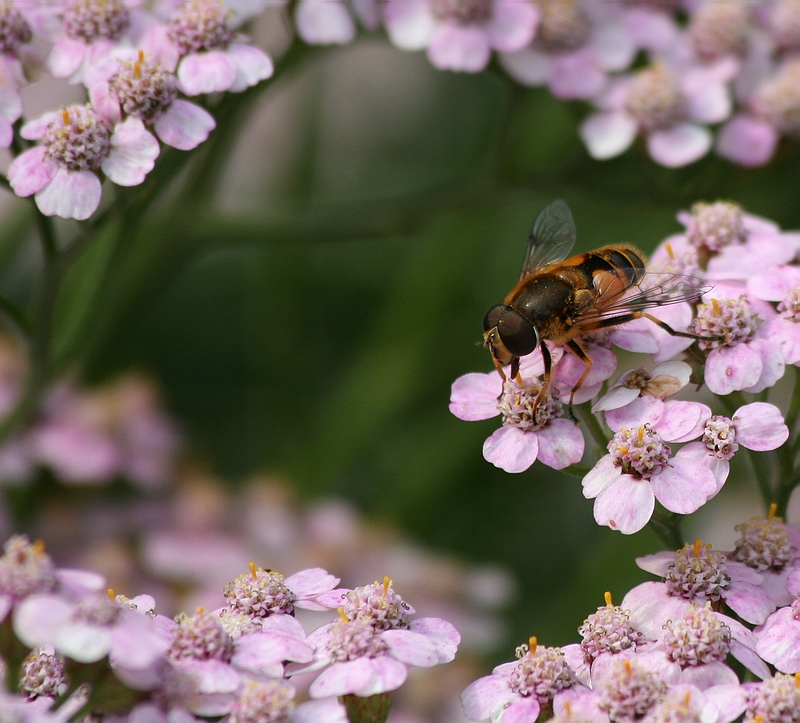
25 568
378 604
520 688
764 544
43 674
77 144
629 691
533 426
713 226
697 638
608 631
774 701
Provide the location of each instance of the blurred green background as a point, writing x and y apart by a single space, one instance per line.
316 278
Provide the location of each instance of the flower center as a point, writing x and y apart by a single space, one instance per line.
775 699
100 610
524 406
699 637
731 319
778 100
540 672
14 29
25 568
378 604
719 437
462 12
712 226
78 138
608 631
764 544
562 26
351 639
655 99
264 701
201 637
91 20
640 452
790 306
719 28
630 692
698 573
42 674
201 25
259 593
144 89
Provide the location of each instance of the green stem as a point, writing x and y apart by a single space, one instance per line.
668 527
595 428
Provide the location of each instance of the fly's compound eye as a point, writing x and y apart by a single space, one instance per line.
518 335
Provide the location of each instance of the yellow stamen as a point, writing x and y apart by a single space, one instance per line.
533 643
640 434
716 306
623 450
65 115
628 667
342 615
141 56
607 597
797 680
38 547
773 508
670 252
137 70
698 545
252 567
568 709
387 583
110 592
200 610
687 698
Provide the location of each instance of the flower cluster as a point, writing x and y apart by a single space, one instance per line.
667 71
137 67
740 333
666 652
235 662
88 437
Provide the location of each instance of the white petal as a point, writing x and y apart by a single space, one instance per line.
608 134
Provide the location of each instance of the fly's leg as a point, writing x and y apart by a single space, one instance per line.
588 361
548 374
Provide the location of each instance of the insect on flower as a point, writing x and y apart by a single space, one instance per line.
558 299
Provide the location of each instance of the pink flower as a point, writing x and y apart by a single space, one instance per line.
670 106
779 637
533 426
576 46
663 381
91 30
737 358
77 144
698 574
782 284
641 469
200 45
460 35
521 688
133 86
758 426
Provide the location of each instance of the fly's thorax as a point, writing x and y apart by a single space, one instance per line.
545 300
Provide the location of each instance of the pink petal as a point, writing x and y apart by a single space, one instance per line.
70 194
599 477
35 129
260 651
184 125
626 504
760 427
642 410
252 65
560 444
608 134
484 696
31 171
709 100
616 397
511 449
414 649
310 582
720 468
105 102
410 25
323 22
206 72
685 486
329 710
512 25
522 710
732 368
576 76
683 421
773 365
133 153
474 396
66 56
570 368
443 635
747 141
749 602
679 146
774 283
37 619
528 66
785 334
650 607
459 48
779 642
83 642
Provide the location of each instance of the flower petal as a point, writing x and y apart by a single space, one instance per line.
511 449
133 153
760 427
679 146
184 125
626 504
70 194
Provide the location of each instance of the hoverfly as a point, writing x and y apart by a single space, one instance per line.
558 299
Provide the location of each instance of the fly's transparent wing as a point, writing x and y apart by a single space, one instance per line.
552 238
